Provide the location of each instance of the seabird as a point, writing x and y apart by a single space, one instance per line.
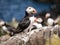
50 21
28 19
7 28
37 23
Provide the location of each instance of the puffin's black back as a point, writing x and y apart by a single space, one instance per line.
23 24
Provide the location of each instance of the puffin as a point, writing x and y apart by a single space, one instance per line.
49 20
37 23
28 20
7 28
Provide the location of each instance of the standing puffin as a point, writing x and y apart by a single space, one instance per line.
28 20
50 21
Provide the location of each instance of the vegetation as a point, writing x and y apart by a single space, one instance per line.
55 40
2 33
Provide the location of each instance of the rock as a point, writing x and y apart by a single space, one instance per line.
34 37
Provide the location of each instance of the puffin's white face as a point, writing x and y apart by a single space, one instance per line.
47 15
1 23
31 10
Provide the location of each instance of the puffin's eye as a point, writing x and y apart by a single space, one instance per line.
29 8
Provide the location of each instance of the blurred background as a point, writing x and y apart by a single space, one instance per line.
10 9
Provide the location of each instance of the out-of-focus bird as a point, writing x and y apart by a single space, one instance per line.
37 23
7 28
49 20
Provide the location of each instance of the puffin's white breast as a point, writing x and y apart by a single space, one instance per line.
4 28
37 25
50 21
32 19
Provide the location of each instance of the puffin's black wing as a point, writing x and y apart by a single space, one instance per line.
23 24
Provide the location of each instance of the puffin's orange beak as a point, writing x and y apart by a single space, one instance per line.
34 11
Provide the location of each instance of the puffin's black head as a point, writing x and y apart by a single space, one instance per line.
30 11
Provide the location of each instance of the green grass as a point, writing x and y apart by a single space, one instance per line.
55 40
0 32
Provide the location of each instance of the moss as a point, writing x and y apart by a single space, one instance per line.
1 33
